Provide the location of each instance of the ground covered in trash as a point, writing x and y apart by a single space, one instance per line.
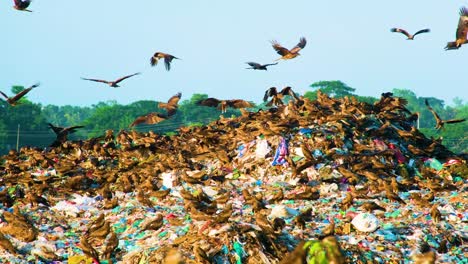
347 181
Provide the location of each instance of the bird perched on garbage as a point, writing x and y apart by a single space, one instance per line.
154 224
258 66
287 54
329 230
167 59
171 105
6 244
347 201
408 35
462 31
111 83
110 246
297 256
435 213
276 98
62 133
13 101
87 249
22 5
200 255
224 104
427 255
439 122
371 206
150 119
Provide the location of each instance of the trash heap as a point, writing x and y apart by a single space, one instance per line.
354 182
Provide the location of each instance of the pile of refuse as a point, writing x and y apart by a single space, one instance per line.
323 181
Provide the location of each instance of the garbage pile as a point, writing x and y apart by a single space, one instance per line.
352 182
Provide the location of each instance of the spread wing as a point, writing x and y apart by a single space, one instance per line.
56 129
211 102
254 64
427 30
402 31
154 59
269 64
22 93
4 95
302 43
462 29
167 61
72 129
151 118
270 92
451 121
288 91
280 49
95 80
436 116
174 100
239 103
126 77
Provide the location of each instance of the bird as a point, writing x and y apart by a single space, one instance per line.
258 66
435 214
22 5
171 105
62 133
154 224
462 31
13 101
111 244
329 230
167 59
224 104
410 37
427 255
439 122
277 97
371 206
112 83
150 119
87 249
289 54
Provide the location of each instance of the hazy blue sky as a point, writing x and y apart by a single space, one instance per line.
62 41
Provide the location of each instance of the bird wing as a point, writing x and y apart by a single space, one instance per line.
462 29
401 31
238 103
151 118
126 77
21 94
254 64
427 30
167 61
270 92
436 116
154 59
289 91
279 49
269 64
451 121
211 102
72 129
4 95
56 129
174 100
302 43
95 80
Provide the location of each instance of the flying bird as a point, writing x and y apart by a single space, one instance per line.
22 5
62 133
171 105
167 59
112 83
150 119
462 31
224 104
439 122
14 100
277 97
258 66
289 54
408 35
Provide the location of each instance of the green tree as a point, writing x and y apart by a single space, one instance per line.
336 89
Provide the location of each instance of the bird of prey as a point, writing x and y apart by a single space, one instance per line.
224 104
150 119
14 100
167 59
22 5
171 105
62 133
462 31
408 35
439 122
289 54
258 66
276 97
112 83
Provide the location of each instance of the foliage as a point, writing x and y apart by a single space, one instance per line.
336 89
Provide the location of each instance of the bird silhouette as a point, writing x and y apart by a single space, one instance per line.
111 83
22 5
408 35
462 31
14 100
277 97
172 104
258 66
287 54
439 122
224 104
150 119
167 59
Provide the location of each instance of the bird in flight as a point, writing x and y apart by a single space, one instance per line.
62 133
14 100
171 105
276 97
150 119
439 122
167 59
112 83
22 5
289 54
258 66
462 31
224 104
408 35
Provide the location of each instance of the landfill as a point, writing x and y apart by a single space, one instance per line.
311 181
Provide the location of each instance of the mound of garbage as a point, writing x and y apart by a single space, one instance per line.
323 181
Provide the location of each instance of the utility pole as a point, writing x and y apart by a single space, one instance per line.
17 138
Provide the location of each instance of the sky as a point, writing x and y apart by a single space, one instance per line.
350 41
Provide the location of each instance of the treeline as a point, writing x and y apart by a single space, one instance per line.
29 120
